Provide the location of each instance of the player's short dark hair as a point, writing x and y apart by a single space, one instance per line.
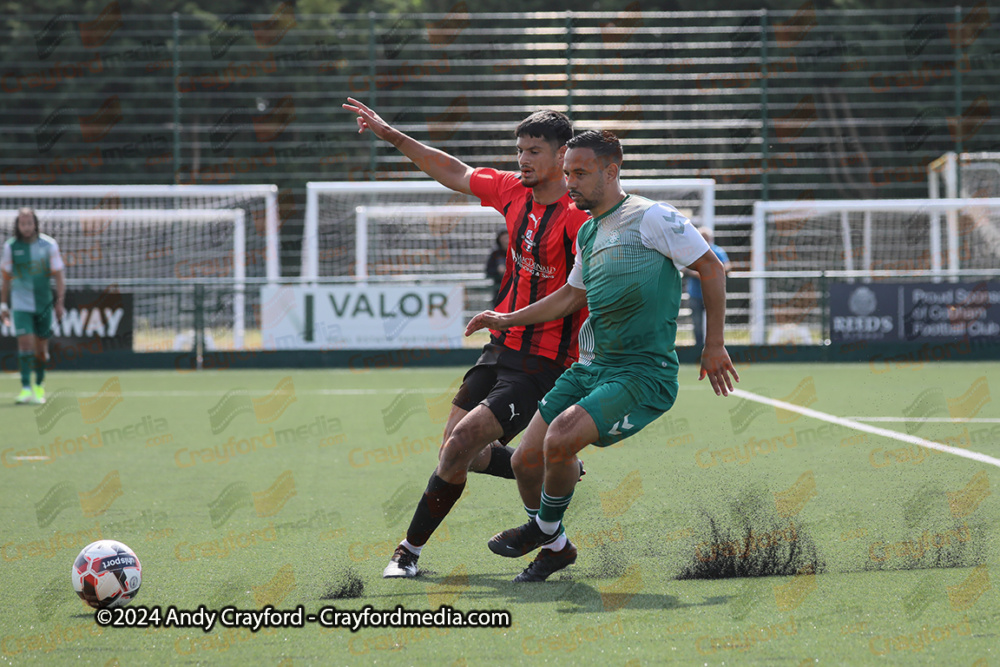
552 126
34 216
605 145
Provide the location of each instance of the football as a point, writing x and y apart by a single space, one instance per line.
107 574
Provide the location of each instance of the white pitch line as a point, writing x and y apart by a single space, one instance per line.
875 430
931 420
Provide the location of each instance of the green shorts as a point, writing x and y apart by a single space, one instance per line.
621 401
38 324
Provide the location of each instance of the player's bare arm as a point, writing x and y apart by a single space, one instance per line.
60 305
5 299
715 361
564 301
447 170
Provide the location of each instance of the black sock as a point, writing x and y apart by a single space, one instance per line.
437 501
499 465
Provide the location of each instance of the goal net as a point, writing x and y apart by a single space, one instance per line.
420 230
155 254
797 244
976 239
258 202
407 243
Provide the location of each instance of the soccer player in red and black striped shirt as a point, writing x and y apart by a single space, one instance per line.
499 395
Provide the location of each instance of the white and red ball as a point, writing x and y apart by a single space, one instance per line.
107 574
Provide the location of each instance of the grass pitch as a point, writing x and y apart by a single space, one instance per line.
250 488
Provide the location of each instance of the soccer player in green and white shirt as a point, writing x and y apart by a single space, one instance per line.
626 273
29 262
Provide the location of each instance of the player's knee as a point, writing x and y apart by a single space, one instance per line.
558 449
460 440
459 449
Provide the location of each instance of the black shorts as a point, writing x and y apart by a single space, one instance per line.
510 383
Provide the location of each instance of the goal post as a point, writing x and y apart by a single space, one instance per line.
967 175
795 244
964 175
148 252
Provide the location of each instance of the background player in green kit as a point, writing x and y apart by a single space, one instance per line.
626 273
29 262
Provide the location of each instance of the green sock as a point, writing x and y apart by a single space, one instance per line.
25 360
552 509
39 370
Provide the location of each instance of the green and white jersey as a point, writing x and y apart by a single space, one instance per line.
31 266
627 260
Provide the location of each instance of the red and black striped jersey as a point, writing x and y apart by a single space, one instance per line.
539 259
